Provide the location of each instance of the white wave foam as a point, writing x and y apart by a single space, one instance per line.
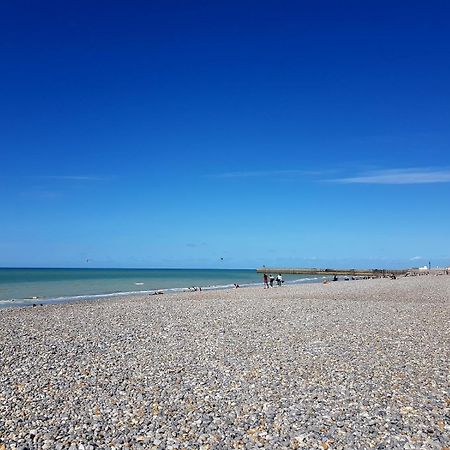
70 298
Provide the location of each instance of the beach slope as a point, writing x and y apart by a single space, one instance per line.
346 365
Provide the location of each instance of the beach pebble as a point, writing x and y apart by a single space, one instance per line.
355 365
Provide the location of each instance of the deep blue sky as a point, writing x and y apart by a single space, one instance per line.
174 134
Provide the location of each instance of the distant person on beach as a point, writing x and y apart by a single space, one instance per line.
266 282
279 280
271 280
335 278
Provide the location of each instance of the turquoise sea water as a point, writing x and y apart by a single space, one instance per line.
20 287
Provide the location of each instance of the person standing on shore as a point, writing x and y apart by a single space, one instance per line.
271 280
279 280
266 283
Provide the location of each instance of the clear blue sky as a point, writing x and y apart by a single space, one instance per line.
174 133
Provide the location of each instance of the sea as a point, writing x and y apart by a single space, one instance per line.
28 286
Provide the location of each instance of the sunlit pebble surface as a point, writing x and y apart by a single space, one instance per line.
346 365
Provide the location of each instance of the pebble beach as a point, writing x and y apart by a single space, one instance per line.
347 365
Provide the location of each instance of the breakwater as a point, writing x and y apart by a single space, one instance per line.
317 271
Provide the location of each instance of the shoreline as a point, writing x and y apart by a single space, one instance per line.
328 366
27 287
41 301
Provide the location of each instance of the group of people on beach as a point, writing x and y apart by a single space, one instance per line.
269 280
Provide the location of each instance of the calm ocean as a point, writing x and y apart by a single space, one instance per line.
21 287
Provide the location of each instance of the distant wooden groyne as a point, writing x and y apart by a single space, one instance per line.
325 272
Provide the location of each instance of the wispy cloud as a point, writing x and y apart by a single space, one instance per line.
399 176
415 258
75 177
46 187
380 176
271 173
41 194
196 244
258 173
